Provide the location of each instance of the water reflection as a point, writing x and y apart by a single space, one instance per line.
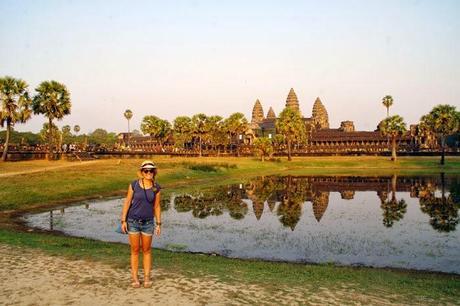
289 195
389 221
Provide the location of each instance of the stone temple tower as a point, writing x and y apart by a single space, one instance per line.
292 102
271 114
257 113
319 115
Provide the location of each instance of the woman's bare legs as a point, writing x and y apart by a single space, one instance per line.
147 257
134 241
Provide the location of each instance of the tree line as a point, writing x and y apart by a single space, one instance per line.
52 99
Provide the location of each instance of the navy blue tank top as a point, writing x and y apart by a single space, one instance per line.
142 203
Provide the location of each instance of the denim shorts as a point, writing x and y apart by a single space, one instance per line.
145 227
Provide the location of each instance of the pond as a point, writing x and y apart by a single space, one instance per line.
380 221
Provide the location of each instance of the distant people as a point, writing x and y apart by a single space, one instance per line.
64 148
141 218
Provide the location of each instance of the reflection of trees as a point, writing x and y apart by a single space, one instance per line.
443 211
165 204
290 211
393 210
294 194
213 203
201 206
258 191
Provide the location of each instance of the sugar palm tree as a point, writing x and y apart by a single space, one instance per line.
200 129
236 125
182 129
291 126
216 133
387 101
76 129
128 115
393 127
157 128
443 120
52 101
14 106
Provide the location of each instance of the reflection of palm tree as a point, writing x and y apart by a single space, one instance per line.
290 211
393 210
443 211
258 191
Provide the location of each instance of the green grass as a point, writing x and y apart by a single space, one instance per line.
69 182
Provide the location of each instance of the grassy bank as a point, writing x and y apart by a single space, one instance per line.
394 286
31 185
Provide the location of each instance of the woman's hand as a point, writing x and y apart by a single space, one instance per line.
124 227
157 230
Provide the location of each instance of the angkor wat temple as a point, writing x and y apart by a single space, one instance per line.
321 138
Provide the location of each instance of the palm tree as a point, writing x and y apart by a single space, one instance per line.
53 101
393 127
200 129
182 128
291 126
128 115
216 133
387 101
66 134
76 129
443 120
14 107
236 125
156 127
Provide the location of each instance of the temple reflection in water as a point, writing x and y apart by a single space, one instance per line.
287 196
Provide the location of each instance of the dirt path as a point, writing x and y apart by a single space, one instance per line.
30 277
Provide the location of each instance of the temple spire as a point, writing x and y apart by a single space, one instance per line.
271 114
257 112
292 102
319 114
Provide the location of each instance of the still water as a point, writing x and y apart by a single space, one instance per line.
402 222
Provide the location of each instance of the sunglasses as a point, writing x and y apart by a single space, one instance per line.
148 171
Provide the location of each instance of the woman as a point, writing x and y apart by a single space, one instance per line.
140 209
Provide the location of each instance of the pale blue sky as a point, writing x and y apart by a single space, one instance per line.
170 58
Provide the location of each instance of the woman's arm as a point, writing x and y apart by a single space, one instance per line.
125 209
157 213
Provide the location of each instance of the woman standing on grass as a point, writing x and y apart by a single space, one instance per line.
140 209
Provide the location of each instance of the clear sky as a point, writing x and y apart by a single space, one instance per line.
171 58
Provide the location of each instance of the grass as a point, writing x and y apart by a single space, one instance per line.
30 185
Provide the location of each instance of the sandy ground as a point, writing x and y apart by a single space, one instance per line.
31 277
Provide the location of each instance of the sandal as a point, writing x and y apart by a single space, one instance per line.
147 284
136 284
